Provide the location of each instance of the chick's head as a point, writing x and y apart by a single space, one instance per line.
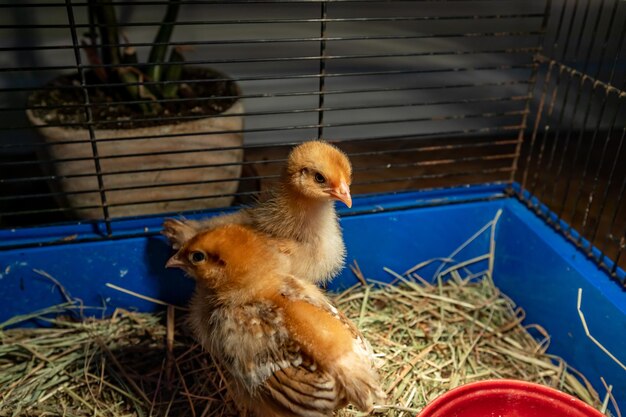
228 258
318 170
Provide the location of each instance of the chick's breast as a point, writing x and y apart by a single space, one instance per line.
269 373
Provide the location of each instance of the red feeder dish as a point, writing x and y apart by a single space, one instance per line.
507 398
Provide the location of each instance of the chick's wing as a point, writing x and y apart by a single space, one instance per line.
303 390
285 380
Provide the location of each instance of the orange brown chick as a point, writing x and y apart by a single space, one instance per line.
286 348
300 213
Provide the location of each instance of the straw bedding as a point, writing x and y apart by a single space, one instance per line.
430 336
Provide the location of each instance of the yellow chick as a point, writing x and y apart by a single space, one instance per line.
288 351
299 215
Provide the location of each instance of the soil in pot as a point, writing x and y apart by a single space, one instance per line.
147 166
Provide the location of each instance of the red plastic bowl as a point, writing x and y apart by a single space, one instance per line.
507 398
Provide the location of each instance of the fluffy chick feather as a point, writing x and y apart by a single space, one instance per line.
287 349
299 215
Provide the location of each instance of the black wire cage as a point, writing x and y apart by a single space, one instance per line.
421 95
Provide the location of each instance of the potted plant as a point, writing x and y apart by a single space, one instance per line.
148 120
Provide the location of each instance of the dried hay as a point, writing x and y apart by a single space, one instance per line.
430 336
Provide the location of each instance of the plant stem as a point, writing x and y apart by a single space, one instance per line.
159 50
173 74
135 88
107 24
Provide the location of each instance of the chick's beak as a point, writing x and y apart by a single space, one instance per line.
342 193
174 262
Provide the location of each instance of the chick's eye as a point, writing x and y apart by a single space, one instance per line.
319 178
196 257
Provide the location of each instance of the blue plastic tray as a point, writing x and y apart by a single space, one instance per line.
535 266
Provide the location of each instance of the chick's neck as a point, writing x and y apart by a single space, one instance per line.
238 290
302 215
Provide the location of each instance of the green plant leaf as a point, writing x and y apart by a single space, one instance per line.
173 73
159 50
106 19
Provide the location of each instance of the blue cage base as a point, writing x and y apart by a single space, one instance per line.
534 265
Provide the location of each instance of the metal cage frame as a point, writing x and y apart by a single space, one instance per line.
553 139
